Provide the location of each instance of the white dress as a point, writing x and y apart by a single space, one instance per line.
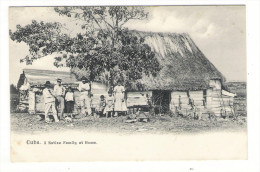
120 103
109 104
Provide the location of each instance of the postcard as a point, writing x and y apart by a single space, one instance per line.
128 83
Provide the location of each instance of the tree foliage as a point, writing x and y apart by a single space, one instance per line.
105 51
13 89
42 38
104 18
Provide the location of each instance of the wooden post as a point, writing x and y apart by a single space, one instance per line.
32 102
180 102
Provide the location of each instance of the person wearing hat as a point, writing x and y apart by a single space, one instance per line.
49 102
59 92
84 89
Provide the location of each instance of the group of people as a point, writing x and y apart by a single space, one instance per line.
115 102
57 98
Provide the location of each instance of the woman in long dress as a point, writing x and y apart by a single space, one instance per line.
120 103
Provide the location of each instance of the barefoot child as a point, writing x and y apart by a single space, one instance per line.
102 105
109 105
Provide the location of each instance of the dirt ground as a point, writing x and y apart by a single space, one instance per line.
25 123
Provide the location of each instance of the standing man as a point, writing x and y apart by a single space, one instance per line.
49 102
59 92
84 89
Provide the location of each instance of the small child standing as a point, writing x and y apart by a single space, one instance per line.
109 104
69 98
102 105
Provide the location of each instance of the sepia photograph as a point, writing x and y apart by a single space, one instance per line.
128 83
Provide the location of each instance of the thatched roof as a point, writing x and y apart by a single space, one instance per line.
38 77
184 66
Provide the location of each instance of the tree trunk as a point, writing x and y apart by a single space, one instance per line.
110 80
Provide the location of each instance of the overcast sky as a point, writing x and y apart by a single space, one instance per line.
218 31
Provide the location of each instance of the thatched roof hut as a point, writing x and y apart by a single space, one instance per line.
32 81
184 66
186 75
38 77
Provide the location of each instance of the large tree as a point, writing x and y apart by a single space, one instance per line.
104 50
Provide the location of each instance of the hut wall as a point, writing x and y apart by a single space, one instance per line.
32 102
197 97
23 100
137 98
226 102
97 90
76 102
219 103
212 103
39 102
179 98
215 83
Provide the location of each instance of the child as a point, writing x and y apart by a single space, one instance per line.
102 105
69 98
49 102
110 104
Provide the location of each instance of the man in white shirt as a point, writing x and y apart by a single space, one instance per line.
59 92
84 89
49 102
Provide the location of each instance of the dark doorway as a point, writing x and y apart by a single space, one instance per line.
161 101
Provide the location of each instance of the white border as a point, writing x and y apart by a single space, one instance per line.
252 164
